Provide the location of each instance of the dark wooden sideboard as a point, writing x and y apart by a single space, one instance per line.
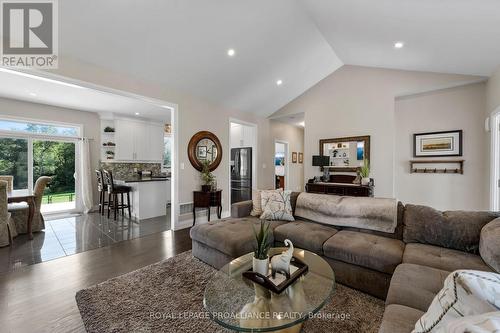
340 185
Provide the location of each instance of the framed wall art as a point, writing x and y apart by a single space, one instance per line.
294 157
437 144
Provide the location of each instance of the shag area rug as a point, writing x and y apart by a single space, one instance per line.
168 297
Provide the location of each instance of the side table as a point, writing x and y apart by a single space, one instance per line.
206 200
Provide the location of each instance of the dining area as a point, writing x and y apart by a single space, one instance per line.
20 209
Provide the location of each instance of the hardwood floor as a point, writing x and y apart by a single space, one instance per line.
41 297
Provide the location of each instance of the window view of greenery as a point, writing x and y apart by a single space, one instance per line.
17 126
14 161
57 160
50 158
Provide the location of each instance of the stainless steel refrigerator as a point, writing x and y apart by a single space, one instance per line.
241 174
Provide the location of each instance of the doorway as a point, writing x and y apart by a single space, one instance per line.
58 160
495 161
243 157
280 164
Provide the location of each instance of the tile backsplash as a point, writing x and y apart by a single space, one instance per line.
126 169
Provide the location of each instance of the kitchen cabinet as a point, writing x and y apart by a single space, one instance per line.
138 141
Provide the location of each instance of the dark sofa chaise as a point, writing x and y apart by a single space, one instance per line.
407 267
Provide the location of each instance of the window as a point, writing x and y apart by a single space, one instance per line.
38 128
14 160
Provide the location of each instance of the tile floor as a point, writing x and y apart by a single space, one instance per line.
70 235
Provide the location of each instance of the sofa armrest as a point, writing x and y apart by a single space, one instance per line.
489 244
241 209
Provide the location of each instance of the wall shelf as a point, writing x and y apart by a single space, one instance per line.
457 166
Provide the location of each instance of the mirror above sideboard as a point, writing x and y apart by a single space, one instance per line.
346 154
203 147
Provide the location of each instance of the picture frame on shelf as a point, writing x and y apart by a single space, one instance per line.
438 144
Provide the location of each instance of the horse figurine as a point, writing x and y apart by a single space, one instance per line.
281 262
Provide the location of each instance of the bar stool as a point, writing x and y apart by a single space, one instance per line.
113 191
102 191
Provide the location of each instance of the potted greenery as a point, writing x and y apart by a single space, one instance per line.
260 260
364 172
207 177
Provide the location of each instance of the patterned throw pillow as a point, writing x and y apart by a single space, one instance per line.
465 293
276 205
256 203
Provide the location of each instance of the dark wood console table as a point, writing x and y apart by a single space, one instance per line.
206 200
340 185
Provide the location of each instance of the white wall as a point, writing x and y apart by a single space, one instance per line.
90 122
295 138
449 109
360 101
493 92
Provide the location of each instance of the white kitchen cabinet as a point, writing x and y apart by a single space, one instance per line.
156 142
138 141
124 137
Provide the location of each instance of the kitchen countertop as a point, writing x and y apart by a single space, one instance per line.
139 179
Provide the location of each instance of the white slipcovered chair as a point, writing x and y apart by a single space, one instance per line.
7 227
20 213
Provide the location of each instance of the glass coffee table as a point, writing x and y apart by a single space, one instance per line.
240 305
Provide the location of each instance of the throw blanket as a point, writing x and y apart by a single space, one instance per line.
377 214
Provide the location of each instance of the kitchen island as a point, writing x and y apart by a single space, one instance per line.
149 196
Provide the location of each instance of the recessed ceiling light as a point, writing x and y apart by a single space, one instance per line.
33 94
279 83
231 52
399 45
137 113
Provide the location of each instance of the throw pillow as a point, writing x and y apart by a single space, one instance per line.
488 322
256 203
465 293
276 205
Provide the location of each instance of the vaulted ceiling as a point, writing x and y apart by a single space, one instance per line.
183 44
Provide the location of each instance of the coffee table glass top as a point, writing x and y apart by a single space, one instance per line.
241 305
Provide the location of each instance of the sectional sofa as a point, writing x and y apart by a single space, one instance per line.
407 268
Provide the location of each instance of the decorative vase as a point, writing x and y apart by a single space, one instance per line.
365 181
206 188
260 266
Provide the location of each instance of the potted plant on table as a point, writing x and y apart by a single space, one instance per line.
260 260
207 177
364 172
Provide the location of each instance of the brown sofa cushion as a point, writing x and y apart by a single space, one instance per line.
241 209
399 319
459 230
375 252
489 244
305 235
234 237
441 258
415 286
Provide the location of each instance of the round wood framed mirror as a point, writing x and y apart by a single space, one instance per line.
205 146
